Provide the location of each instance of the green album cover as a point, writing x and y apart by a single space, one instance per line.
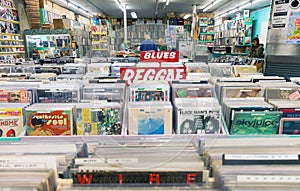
255 123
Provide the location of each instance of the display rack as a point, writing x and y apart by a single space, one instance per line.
11 41
206 29
235 34
99 32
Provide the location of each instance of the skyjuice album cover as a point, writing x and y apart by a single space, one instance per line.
11 122
255 123
48 122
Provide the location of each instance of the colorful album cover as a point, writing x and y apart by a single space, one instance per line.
150 120
283 93
16 96
193 92
49 123
149 95
63 96
203 21
102 121
255 123
290 122
197 121
11 122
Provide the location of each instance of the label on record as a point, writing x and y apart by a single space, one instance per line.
268 178
261 156
82 161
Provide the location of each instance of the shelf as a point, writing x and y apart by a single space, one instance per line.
10 21
11 46
101 33
11 40
100 49
12 34
22 52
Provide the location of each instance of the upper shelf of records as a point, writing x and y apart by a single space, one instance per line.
11 41
236 33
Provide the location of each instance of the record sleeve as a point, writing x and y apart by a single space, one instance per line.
255 123
11 121
283 93
290 122
192 91
197 120
16 95
242 92
195 67
98 119
144 91
149 118
49 121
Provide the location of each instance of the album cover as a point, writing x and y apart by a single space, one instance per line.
290 122
57 96
242 92
196 68
149 118
98 120
241 70
48 122
101 68
16 96
283 93
11 122
255 123
149 95
197 120
220 71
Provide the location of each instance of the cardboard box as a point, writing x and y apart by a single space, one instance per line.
62 23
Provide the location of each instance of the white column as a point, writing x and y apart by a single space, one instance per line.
193 20
125 22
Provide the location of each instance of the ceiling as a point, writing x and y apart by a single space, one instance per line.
151 8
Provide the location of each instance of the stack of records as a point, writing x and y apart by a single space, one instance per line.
250 116
219 86
149 91
74 68
244 71
115 67
102 69
44 76
11 119
49 69
98 119
103 92
191 90
195 67
69 77
220 69
149 118
58 93
49 120
290 121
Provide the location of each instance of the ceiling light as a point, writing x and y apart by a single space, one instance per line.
120 5
167 2
72 6
210 5
247 5
186 16
133 15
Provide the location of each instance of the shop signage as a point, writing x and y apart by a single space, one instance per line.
6 3
160 56
147 178
152 73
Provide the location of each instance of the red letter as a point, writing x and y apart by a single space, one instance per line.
154 177
84 179
120 178
190 178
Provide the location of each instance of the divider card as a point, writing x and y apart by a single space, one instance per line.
255 123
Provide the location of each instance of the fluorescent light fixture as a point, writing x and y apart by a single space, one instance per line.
167 2
186 16
120 5
210 5
72 6
247 5
256 2
133 15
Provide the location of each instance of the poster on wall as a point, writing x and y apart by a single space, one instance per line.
293 34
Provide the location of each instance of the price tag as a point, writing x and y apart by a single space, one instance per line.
81 161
